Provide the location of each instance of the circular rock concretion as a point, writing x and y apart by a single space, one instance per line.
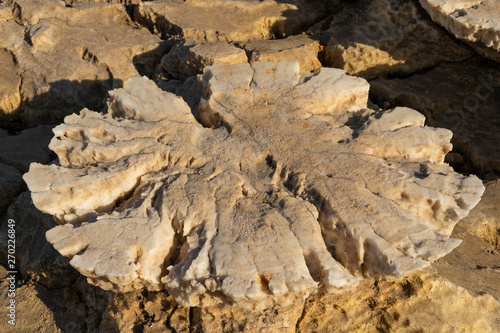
286 184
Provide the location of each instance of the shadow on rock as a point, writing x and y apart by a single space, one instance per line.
63 98
75 305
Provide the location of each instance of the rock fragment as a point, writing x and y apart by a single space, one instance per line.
10 185
386 37
189 58
463 97
474 21
224 20
292 185
5 13
484 221
10 84
68 57
299 48
26 147
423 301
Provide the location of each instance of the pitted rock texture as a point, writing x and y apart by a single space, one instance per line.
227 20
475 21
386 37
60 59
293 186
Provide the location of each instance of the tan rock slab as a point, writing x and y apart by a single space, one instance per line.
10 84
384 37
10 185
5 13
189 58
226 20
463 97
68 57
299 48
26 147
484 221
422 302
474 21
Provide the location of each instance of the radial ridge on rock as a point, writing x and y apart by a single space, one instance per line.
285 184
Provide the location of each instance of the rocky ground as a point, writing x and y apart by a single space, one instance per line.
58 57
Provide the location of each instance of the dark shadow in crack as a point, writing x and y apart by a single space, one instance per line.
146 63
60 99
52 292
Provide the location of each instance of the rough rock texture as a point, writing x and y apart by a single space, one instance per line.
42 265
423 302
68 57
10 84
371 38
5 13
375 305
227 20
485 220
463 97
10 185
51 295
28 146
299 48
474 265
189 58
228 212
61 310
475 21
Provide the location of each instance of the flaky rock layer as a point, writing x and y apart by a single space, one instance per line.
290 185
475 21
227 20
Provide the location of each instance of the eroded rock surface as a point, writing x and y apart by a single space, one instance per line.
485 220
299 48
422 302
10 84
372 38
475 21
463 97
227 20
294 186
10 184
189 58
26 147
68 57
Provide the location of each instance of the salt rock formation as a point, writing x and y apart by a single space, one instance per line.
291 186
189 58
67 58
372 38
227 20
475 21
